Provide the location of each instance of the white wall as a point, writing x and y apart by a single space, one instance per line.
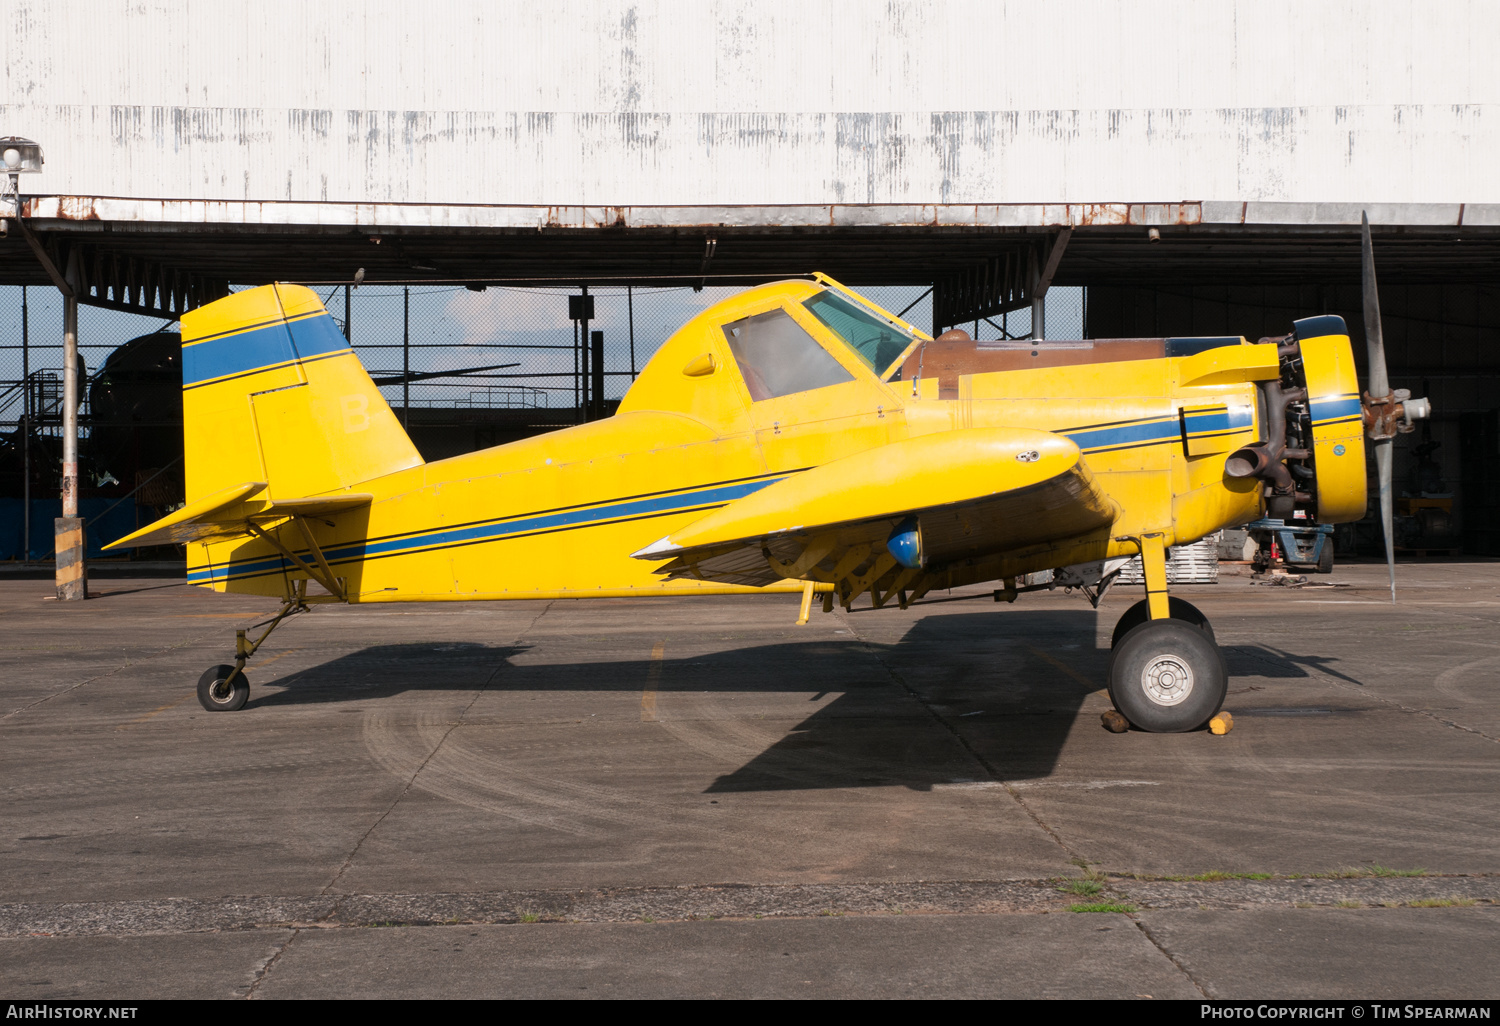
586 102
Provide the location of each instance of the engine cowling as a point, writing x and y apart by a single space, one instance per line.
1333 419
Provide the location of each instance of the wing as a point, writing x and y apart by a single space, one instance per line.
884 518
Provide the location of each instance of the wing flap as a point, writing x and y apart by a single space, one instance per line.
229 513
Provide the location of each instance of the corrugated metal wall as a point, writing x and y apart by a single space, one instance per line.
726 103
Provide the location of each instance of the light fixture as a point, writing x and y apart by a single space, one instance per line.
18 156
21 156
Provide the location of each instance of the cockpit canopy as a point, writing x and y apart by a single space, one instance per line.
770 342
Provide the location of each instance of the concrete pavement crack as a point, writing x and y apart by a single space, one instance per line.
349 859
265 969
900 681
1146 932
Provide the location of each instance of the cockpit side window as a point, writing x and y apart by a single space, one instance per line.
777 357
877 343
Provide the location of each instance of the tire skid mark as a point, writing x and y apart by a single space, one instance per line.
1447 682
531 792
492 785
524 793
417 772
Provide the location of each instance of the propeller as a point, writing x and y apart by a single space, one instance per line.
1386 413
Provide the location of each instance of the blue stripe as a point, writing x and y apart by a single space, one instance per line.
1126 434
1332 409
224 573
497 530
1123 435
316 336
230 355
1209 421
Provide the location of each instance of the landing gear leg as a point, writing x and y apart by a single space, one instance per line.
1166 674
225 688
1154 567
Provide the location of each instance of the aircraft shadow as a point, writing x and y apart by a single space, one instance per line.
1004 688
1268 661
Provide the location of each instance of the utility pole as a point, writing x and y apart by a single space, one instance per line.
72 572
26 428
22 156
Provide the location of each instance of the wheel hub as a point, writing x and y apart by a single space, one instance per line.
1167 680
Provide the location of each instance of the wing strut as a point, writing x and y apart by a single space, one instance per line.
322 573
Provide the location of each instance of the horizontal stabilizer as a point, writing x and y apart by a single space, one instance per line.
229 513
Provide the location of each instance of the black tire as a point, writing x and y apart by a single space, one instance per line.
1167 676
214 697
1179 609
1325 558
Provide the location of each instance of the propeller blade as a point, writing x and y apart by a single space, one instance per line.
1380 382
1379 388
1383 467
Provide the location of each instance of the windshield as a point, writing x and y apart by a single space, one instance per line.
877 343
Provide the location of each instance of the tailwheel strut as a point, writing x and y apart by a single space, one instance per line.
225 688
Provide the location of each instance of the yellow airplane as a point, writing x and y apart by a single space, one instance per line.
794 437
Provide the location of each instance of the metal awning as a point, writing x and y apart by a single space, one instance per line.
159 256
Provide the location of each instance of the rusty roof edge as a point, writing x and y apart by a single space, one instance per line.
60 211
376 216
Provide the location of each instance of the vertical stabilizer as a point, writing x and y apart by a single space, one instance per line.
272 392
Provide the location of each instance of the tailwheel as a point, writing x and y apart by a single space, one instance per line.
222 689
1180 609
1167 676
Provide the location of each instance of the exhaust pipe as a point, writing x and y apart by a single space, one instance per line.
1264 460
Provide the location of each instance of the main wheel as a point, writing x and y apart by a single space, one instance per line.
1179 609
217 694
1167 676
